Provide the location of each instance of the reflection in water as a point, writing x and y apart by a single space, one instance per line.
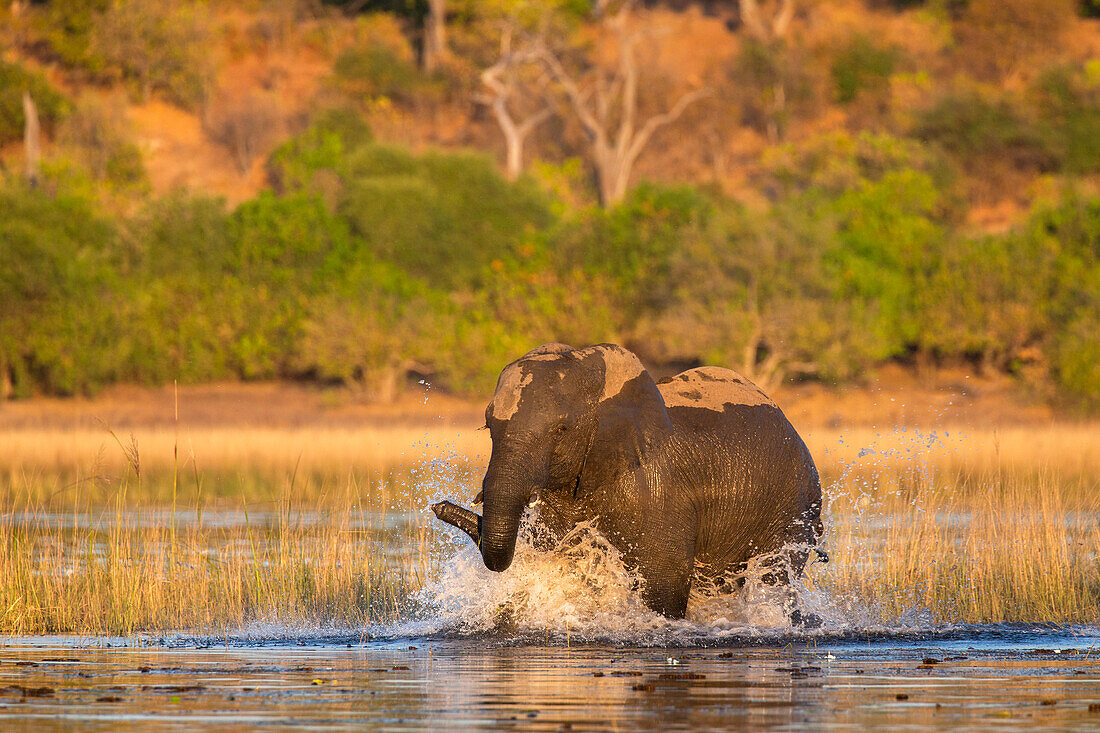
968 677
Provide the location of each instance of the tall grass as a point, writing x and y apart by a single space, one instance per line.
126 568
1024 548
127 536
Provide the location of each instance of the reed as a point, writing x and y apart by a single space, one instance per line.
118 537
1025 549
126 569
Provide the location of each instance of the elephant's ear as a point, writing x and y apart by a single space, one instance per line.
631 414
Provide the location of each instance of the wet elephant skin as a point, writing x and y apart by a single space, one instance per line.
690 479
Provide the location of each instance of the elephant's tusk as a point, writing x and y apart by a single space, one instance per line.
461 517
533 499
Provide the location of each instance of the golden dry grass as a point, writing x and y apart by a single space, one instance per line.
330 450
121 575
965 525
1024 549
1065 448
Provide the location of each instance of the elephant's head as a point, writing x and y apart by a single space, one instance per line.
554 409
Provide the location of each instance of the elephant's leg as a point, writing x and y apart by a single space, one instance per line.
781 568
667 573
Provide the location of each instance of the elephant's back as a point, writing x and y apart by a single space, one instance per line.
711 388
755 483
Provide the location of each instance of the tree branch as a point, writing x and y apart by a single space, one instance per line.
657 121
783 19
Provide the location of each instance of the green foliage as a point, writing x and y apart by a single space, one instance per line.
632 245
861 65
1068 105
65 28
440 216
303 161
59 295
14 81
376 71
974 129
156 46
178 259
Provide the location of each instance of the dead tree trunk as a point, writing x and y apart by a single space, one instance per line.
32 146
435 35
502 79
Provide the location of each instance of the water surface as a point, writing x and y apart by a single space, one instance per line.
972 677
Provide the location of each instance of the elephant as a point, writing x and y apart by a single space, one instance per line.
689 478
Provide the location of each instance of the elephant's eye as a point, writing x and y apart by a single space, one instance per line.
561 429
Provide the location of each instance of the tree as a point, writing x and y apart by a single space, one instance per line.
767 32
607 108
504 81
32 146
435 34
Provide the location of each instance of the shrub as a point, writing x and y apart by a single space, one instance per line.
301 162
97 133
59 294
981 132
632 244
156 45
245 125
1068 105
65 29
440 216
179 259
862 66
376 71
1076 358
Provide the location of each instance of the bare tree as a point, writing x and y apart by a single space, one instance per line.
504 82
435 34
608 110
767 32
32 145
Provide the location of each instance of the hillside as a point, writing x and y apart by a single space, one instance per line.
285 190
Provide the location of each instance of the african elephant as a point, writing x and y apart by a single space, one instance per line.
690 478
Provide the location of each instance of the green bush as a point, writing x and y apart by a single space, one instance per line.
178 260
862 66
14 81
631 246
304 161
285 251
65 29
155 46
59 294
1068 107
974 129
440 216
1076 362
376 71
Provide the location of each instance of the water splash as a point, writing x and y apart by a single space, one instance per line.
582 592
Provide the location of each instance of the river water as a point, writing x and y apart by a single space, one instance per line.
963 677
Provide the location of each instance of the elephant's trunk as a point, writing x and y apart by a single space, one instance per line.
506 496
500 526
